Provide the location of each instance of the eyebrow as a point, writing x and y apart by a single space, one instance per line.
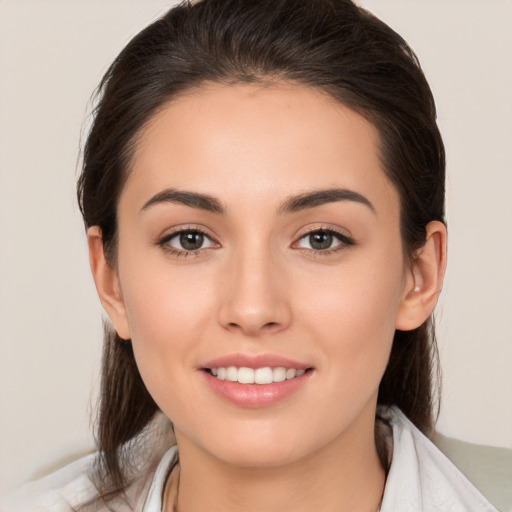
293 204
321 197
192 199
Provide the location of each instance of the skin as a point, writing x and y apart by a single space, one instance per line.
257 286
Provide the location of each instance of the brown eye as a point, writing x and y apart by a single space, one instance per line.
324 240
191 240
320 240
186 241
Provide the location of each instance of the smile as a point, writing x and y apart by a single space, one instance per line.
265 375
255 381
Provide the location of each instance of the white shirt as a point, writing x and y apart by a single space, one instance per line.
420 479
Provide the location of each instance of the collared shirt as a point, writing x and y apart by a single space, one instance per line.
420 479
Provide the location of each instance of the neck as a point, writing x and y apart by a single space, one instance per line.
345 475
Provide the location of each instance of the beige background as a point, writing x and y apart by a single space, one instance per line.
53 53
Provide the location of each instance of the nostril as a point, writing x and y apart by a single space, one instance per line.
250 326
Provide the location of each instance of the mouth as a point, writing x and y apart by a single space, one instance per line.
264 375
256 380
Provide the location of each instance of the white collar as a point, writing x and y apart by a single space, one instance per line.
420 478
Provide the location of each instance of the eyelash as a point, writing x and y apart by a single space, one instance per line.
344 242
182 253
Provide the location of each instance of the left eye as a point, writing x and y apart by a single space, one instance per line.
322 240
190 240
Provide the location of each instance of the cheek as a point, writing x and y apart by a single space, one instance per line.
167 312
158 307
160 296
352 314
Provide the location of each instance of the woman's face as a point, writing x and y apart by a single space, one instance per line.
257 230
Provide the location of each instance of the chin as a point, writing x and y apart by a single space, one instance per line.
269 446
258 456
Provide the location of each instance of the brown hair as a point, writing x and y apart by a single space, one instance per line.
330 45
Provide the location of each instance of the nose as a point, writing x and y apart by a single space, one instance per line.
254 295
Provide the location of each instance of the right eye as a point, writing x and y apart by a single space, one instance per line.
186 241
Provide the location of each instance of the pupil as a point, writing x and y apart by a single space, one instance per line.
320 240
191 241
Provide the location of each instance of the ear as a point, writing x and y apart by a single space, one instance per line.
107 283
424 279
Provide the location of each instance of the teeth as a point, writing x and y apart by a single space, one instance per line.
279 374
246 376
264 375
232 374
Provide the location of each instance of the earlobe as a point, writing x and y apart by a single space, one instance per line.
107 283
424 280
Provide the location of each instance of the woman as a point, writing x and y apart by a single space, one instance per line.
263 192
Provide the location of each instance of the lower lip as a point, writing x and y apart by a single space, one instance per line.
255 395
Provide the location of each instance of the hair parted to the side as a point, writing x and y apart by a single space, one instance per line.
330 45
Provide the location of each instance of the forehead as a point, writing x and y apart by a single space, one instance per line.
272 139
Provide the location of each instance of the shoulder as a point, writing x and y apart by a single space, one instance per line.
72 489
63 491
488 468
421 477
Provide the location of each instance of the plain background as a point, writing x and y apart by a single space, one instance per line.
52 55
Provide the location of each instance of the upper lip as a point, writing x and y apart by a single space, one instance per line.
255 361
